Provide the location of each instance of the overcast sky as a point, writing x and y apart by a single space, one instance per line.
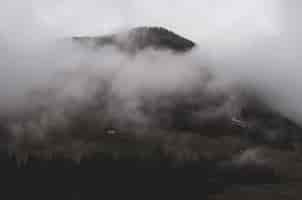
197 19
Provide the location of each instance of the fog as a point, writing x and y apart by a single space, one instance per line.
254 44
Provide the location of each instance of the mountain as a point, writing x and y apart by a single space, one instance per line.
256 120
255 147
194 114
138 39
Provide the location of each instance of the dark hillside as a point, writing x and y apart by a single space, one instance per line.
195 145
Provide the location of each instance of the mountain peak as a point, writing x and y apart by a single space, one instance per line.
139 38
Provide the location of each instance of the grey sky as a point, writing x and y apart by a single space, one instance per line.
197 19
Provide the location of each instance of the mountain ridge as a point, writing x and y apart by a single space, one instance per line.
138 39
